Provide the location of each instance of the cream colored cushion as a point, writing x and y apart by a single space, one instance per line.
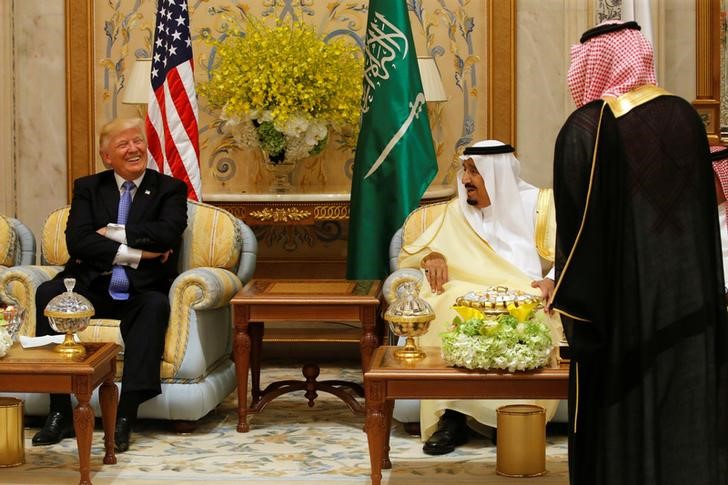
419 220
8 243
211 238
53 239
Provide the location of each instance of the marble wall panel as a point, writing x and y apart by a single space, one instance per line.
545 32
40 111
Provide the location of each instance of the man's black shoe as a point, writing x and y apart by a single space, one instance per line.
452 431
122 434
57 427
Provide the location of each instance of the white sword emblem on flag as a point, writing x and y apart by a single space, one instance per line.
415 109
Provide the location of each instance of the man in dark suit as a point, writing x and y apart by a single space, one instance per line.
124 228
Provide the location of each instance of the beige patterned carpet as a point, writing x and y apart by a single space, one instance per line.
288 443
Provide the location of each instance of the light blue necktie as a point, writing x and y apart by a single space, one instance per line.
119 284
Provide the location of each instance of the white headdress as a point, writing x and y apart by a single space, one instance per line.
508 223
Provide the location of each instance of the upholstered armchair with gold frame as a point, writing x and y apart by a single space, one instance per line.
17 243
217 256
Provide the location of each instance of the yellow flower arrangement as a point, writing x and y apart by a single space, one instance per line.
283 88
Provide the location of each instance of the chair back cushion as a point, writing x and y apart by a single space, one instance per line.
419 220
53 250
212 238
9 244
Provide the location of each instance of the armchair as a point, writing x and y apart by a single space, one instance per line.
17 243
217 255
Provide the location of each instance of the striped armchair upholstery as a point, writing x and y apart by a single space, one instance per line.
217 256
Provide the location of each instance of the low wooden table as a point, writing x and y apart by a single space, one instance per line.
388 379
300 300
43 370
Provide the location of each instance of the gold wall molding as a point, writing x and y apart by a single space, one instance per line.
501 102
331 212
707 65
280 214
8 205
80 109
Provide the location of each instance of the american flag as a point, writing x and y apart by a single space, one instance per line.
172 112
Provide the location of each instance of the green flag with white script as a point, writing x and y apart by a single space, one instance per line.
395 159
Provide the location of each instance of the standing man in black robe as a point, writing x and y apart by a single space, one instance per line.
639 274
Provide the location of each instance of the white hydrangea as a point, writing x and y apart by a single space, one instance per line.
525 346
5 341
294 127
242 131
315 133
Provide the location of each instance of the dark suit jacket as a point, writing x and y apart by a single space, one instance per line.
157 219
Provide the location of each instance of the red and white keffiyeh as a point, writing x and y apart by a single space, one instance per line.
719 155
610 64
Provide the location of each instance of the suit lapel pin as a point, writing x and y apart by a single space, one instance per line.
147 192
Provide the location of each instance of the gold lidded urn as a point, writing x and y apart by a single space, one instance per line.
409 316
69 313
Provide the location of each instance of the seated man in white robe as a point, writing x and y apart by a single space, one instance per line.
485 237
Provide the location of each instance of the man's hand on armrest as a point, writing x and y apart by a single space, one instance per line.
435 266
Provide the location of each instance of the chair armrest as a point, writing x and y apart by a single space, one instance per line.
193 291
395 246
394 280
27 242
202 289
249 254
17 287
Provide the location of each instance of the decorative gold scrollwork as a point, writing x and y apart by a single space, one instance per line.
280 214
331 212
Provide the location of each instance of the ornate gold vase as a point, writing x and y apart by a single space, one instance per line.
409 316
68 313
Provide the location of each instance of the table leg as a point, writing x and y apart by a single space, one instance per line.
256 332
83 424
109 397
241 350
375 427
388 410
369 340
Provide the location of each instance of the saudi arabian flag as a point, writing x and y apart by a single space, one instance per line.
395 159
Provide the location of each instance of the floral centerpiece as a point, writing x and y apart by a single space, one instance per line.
283 88
509 333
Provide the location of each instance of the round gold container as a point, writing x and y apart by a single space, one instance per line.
494 300
521 444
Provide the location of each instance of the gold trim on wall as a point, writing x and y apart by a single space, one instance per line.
707 65
501 102
80 109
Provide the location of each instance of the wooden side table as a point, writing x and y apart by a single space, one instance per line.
300 300
388 379
44 370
